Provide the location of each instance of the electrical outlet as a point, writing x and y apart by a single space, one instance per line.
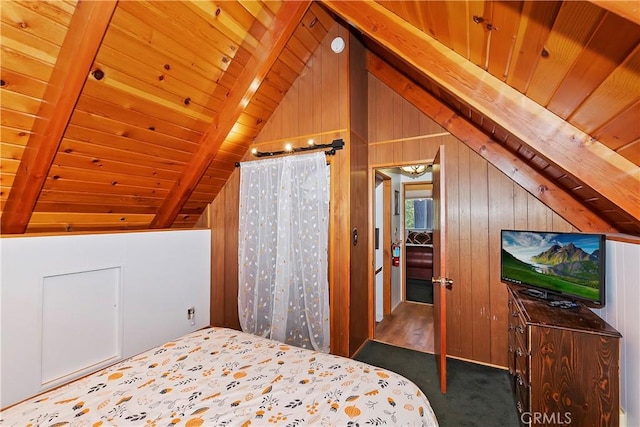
191 315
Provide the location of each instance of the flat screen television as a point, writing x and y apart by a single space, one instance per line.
552 265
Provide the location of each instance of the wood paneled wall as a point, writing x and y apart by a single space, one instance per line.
361 301
223 220
481 201
316 106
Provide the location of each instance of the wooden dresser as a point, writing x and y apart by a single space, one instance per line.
563 364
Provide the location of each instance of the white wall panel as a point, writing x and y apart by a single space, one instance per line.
169 279
622 311
80 307
162 274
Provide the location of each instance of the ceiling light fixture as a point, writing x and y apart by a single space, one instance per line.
337 45
414 171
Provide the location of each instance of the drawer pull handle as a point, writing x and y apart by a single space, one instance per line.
520 329
511 349
514 314
519 352
519 406
519 379
511 327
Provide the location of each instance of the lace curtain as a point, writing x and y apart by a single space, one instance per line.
283 291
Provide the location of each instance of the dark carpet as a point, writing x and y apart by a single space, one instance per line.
477 395
419 291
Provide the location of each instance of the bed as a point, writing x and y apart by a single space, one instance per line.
219 376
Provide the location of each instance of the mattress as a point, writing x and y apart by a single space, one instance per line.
219 376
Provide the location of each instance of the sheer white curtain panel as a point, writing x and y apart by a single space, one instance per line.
283 290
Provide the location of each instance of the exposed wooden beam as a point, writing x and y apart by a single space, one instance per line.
606 172
79 49
252 75
508 163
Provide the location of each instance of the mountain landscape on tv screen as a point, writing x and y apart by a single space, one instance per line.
565 268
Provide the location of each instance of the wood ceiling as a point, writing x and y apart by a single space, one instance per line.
132 114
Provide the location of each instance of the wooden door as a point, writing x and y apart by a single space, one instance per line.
440 281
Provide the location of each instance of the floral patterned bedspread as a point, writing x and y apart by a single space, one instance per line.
220 376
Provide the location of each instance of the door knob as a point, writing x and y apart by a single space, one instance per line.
443 281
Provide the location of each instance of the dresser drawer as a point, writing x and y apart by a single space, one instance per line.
522 399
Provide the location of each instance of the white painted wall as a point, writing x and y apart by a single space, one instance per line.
379 253
622 311
151 280
397 234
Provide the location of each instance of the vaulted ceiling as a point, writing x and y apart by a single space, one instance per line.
132 114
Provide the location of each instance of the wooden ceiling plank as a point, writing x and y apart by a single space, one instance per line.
191 24
439 26
622 130
291 60
48 207
65 173
261 13
305 36
625 8
91 218
98 199
416 13
537 20
478 35
23 64
503 29
73 186
10 151
574 24
101 115
325 19
57 11
32 22
460 20
156 113
631 151
313 25
9 135
152 94
17 119
20 40
20 83
9 166
285 23
160 61
155 79
620 90
137 27
96 165
505 161
86 31
273 6
299 49
120 151
610 44
221 15
571 149
108 140
21 103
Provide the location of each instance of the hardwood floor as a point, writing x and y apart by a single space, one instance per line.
409 326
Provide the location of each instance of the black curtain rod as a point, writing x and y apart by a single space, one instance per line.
336 144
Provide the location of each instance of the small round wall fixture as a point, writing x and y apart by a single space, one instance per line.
337 44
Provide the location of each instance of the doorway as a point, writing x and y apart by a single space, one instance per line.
398 321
